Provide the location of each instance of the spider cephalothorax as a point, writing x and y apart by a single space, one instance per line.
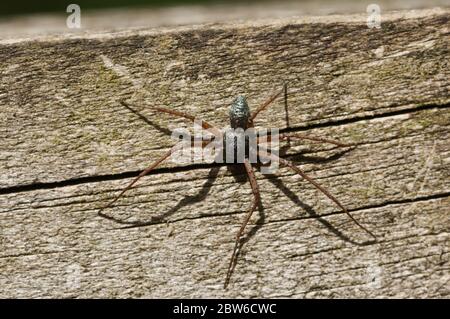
241 121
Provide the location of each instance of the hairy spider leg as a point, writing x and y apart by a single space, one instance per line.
209 127
255 203
289 136
148 170
265 104
142 174
298 136
297 170
254 185
152 166
314 138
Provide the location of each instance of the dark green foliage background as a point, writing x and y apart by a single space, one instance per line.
9 7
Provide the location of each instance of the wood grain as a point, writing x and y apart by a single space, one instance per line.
68 147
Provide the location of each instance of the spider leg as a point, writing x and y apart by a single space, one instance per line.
254 205
313 138
267 103
289 164
209 127
146 171
298 136
142 174
287 136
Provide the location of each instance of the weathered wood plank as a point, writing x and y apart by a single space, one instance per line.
61 121
104 20
59 97
292 258
292 253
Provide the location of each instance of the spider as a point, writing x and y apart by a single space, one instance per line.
241 118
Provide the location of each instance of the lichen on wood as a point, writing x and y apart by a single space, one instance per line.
68 147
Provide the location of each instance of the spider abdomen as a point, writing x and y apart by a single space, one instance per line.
239 145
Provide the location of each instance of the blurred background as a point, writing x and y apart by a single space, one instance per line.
22 7
27 18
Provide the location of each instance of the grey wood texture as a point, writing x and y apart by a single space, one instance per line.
67 147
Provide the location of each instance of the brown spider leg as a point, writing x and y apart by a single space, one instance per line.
287 163
287 136
284 136
142 174
266 104
313 138
254 205
146 171
209 127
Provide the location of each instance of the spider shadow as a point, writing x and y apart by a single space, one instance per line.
277 182
312 159
201 195
240 176
237 171
188 200
149 122
297 158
